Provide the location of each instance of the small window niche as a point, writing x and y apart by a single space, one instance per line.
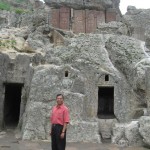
106 77
66 73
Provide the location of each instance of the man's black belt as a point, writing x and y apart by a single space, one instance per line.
56 125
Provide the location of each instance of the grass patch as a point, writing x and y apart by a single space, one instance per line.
7 43
5 6
20 11
8 7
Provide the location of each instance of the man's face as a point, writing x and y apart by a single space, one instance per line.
59 100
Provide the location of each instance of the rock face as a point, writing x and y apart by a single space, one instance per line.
82 16
137 20
104 78
7 19
127 134
113 27
144 129
81 3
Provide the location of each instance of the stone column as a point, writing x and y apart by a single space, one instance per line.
64 18
55 18
78 25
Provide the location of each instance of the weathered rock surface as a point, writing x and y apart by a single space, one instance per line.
138 21
106 128
82 3
7 19
46 61
113 28
127 134
147 37
86 65
144 123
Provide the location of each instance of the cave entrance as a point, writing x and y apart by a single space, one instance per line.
105 103
12 104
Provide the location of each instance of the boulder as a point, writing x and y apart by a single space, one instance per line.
144 129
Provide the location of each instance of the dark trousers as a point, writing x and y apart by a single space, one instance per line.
57 142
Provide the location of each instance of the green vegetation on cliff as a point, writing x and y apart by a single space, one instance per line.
7 43
6 5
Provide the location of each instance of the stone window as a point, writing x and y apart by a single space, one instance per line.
105 103
106 77
66 73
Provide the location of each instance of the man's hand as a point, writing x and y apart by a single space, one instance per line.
62 135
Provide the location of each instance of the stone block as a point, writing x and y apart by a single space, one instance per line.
64 18
76 132
55 18
105 127
127 134
145 129
132 134
57 38
79 21
111 15
90 21
100 16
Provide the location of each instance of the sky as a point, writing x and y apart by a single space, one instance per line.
143 4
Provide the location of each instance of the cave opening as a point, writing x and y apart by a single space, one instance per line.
12 104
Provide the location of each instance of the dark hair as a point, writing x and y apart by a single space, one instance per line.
60 95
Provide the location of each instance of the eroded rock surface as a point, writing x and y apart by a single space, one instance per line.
45 61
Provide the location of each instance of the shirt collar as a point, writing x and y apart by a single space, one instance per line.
59 106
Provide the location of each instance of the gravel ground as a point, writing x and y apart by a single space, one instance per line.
9 141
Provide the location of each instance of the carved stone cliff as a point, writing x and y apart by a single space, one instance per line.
104 76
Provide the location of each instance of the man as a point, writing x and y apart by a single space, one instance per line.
59 120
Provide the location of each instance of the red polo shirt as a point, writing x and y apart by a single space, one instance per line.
60 115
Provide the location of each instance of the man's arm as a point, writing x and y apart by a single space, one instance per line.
64 127
63 130
66 121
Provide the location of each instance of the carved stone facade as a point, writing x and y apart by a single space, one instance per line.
104 76
82 20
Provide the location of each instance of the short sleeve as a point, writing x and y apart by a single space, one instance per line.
66 116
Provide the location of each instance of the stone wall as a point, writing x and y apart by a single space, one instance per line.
87 59
81 16
80 21
48 61
15 70
87 67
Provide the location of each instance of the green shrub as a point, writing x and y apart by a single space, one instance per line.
8 7
4 6
7 43
19 11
